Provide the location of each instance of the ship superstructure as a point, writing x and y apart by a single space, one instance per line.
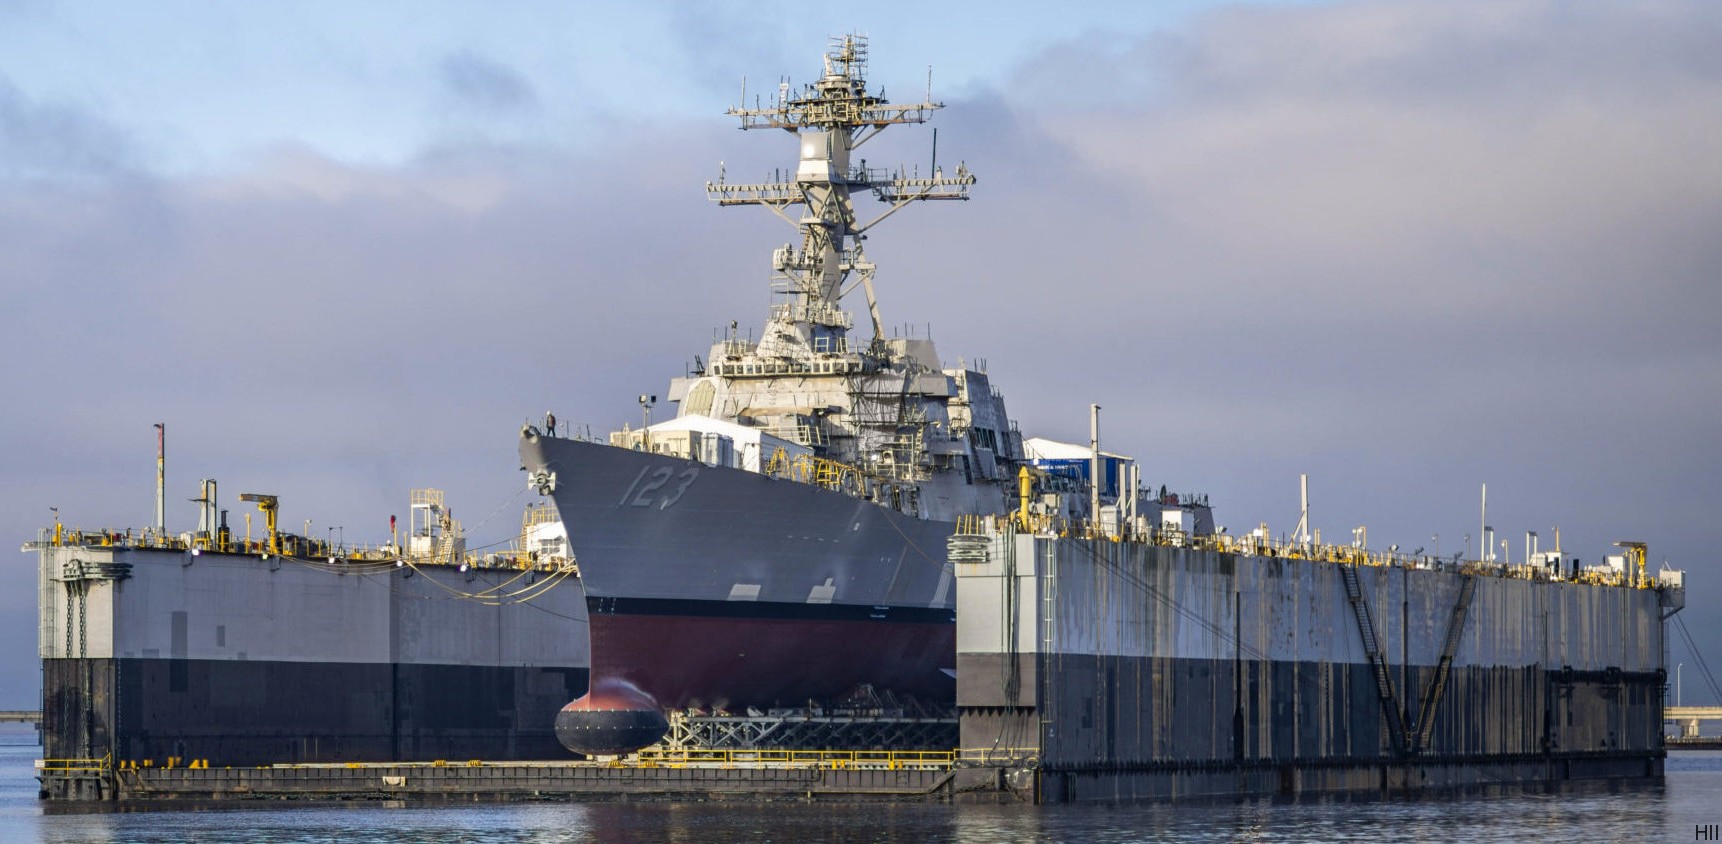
878 418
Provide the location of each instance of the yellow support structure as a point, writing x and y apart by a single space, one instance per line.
1024 488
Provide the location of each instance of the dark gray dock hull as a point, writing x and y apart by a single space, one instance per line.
258 712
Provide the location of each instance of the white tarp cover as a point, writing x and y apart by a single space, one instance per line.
752 446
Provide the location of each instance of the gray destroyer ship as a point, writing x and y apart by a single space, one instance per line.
781 539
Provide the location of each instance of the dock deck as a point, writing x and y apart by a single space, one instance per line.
738 775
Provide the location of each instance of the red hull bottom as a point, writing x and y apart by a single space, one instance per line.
731 663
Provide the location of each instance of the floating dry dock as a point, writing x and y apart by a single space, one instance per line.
1176 666
1097 667
289 649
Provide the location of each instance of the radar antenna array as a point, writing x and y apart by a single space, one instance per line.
831 118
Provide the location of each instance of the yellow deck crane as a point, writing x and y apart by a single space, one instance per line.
268 504
1635 553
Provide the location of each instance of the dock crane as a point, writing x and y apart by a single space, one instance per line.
1635 552
268 504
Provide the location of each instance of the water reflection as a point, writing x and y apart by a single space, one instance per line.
1589 812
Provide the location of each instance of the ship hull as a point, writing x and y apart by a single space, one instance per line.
729 661
715 587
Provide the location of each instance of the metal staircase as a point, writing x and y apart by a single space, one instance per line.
1377 659
1450 648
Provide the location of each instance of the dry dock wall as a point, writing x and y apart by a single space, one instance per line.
244 661
1125 670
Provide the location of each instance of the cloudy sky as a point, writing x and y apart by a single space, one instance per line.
344 251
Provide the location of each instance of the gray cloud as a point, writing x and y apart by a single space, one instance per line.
1407 248
485 86
57 140
710 36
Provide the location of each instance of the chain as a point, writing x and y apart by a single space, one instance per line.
89 695
75 595
115 735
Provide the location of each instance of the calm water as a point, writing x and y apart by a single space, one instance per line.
1693 795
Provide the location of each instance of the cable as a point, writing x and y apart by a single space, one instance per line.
486 520
1173 604
940 562
490 597
1698 657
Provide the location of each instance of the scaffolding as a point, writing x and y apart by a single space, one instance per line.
864 720
834 730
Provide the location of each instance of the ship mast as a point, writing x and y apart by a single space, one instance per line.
832 118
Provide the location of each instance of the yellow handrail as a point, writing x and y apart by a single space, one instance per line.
997 755
1267 546
75 766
